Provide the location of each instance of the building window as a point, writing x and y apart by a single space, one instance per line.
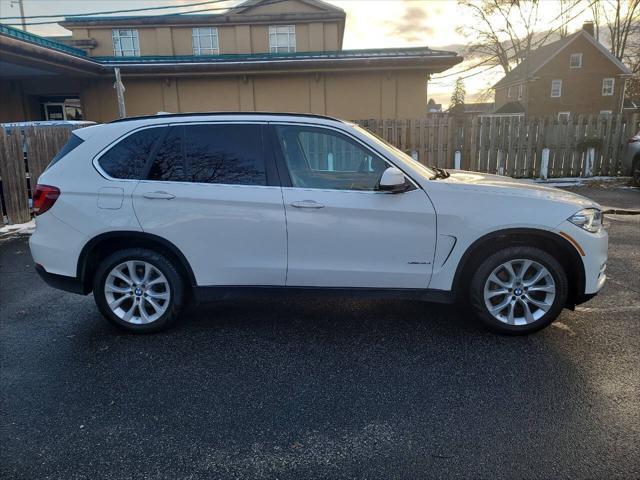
605 113
575 61
282 38
126 43
205 41
564 116
556 88
607 86
520 91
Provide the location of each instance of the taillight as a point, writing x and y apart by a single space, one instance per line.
44 196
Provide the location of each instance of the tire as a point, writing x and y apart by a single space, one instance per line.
536 304
133 301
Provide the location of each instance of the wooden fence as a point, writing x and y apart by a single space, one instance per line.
23 157
513 146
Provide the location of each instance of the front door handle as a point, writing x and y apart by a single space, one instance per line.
158 195
307 204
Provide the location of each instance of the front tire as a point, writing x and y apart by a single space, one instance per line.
518 290
138 290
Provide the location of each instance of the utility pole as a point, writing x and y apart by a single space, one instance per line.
22 19
122 111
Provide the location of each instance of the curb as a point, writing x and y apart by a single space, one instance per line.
620 211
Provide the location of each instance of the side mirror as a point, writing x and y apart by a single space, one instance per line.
393 181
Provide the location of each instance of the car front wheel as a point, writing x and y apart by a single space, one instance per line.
138 290
518 290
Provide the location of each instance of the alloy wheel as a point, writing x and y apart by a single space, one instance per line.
519 292
137 292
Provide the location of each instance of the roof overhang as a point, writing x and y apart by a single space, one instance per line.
406 59
26 58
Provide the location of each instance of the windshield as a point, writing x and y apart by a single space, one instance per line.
396 151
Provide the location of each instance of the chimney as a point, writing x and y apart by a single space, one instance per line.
588 27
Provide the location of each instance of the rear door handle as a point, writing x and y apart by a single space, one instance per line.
307 204
158 195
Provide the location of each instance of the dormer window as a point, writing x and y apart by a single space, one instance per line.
282 38
125 42
575 61
205 41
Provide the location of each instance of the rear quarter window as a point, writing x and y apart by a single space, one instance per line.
128 157
71 144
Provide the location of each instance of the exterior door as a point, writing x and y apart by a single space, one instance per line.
342 231
209 190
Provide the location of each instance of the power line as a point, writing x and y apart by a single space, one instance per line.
71 15
210 9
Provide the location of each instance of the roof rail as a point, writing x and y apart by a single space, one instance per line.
205 114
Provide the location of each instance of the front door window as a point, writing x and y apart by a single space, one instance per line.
322 158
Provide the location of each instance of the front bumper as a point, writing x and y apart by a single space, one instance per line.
595 248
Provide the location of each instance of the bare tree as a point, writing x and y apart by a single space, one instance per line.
619 21
506 31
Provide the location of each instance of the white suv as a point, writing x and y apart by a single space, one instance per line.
147 212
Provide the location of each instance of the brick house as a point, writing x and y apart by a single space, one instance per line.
575 75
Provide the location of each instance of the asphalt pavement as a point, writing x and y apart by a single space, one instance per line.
311 388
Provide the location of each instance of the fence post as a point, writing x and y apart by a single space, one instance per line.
588 162
500 162
457 157
544 164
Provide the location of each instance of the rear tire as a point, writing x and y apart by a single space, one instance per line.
138 290
518 290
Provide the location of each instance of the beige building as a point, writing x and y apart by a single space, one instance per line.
259 56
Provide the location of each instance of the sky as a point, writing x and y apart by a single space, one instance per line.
370 24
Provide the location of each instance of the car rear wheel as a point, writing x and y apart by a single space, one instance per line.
518 290
138 290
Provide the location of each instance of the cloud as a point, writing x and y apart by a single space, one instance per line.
413 25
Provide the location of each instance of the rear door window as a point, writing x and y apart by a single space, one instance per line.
168 164
225 154
128 157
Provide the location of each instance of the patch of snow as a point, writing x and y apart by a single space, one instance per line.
18 228
580 181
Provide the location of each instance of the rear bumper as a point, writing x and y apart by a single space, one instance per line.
61 282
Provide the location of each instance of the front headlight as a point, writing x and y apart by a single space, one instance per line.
590 219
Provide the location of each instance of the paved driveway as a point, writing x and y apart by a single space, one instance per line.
319 389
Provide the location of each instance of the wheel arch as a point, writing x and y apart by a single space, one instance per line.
104 244
556 245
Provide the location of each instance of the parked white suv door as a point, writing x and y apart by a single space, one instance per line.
342 230
210 192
